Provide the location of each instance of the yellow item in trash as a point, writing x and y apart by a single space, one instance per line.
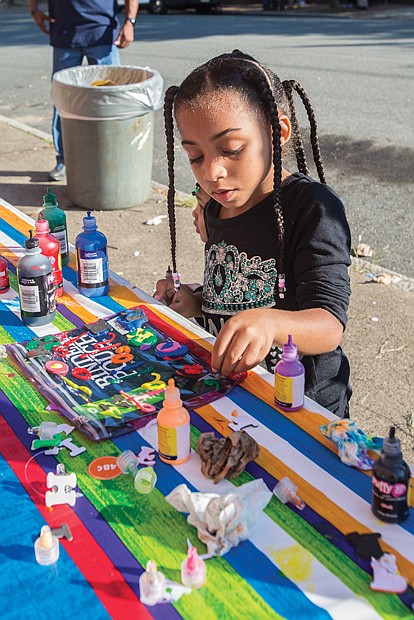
104 83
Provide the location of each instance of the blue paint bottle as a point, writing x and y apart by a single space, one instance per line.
92 259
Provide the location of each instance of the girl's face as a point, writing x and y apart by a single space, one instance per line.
229 147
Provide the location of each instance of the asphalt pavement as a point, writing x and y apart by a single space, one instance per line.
379 339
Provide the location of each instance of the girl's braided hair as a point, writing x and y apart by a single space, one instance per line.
261 89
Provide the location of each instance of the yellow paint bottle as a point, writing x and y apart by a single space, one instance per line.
173 422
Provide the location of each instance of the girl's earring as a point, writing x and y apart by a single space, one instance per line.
281 285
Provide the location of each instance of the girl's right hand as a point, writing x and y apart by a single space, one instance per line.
164 290
186 303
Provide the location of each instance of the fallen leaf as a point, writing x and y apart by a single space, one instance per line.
386 278
365 250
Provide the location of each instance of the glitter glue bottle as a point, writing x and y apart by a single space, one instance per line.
50 247
151 585
289 379
193 570
173 422
390 482
57 223
4 276
36 287
46 547
92 259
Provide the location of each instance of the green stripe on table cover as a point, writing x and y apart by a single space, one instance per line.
335 560
124 510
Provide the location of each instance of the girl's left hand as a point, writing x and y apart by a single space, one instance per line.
244 341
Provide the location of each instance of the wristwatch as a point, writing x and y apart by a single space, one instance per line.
133 20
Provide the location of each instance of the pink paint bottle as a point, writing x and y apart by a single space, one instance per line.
289 379
4 275
193 570
50 247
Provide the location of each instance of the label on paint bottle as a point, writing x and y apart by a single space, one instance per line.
61 235
390 500
93 268
37 295
174 442
289 390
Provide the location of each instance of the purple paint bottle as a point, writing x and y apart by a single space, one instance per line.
289 379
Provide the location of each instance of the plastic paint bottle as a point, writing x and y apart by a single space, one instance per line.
193 570
57 223
173 422
50 247
36 288
46 547
289 379
92 259
390 482
151 585
4 275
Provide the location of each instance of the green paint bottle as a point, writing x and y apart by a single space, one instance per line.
57 223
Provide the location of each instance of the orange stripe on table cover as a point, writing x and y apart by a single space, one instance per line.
112 590
310 495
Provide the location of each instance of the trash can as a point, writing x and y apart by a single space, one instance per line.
107 117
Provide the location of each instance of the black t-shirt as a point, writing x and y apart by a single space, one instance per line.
240 271
83 23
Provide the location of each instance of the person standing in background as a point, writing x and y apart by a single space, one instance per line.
81 29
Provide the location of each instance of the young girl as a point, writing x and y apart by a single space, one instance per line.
278 243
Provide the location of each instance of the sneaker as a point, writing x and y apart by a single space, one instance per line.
58 173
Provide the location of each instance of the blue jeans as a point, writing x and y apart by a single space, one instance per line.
68 58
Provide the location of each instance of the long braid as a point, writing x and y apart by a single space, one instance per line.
169 134
262 82
297 138
313 129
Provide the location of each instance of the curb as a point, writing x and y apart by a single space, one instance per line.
358 264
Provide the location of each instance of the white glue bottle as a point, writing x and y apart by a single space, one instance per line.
173 422
289 379
46 547
151 585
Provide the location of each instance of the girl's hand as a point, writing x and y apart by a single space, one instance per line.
186 303
244 341
164 290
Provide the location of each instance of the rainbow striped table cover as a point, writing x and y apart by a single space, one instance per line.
295 565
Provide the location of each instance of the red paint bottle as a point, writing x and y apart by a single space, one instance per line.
50 247
4 275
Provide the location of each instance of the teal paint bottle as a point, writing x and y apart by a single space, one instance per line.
36 285
92 259
57 223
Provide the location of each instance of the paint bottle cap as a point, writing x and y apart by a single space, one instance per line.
49 200
172 395
42 225
392 447
89 222
31 242
193 561
290 350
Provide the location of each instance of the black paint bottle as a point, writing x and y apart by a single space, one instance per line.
390 482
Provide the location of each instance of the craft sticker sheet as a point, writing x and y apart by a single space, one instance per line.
109 377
